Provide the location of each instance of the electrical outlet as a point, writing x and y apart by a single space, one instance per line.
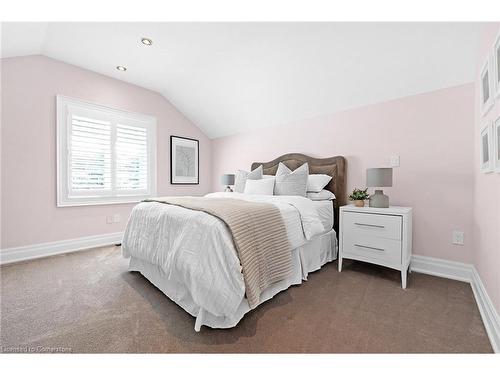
458 237
116 218
395 161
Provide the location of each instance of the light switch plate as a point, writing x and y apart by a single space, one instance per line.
116 218
458 237
395 161
109 219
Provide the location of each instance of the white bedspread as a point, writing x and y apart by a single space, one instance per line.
196 249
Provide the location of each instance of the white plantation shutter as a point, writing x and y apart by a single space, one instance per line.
104 155
131 158
90 154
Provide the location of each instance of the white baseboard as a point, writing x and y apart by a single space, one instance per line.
442 268
468 273
489 314
17 254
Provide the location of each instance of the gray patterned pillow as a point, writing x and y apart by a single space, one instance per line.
291 183
243 176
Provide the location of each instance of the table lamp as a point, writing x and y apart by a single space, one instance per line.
379 177
227 179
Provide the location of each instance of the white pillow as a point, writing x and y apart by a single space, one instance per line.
323 195
264 186
317 182
291 183
243 176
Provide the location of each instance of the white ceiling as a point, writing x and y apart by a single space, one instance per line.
228 78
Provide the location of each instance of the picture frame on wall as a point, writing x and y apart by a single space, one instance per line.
496 66
184 161
496 142
486 148
485 88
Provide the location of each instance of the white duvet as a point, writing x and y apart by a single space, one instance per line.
196 249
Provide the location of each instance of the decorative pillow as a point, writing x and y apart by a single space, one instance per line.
291 183
317 182
323 195
264 186
242 177
269 177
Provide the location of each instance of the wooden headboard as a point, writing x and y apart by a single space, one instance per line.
334 166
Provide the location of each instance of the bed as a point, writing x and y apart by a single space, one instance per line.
190 255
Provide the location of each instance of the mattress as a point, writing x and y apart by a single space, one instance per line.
325 213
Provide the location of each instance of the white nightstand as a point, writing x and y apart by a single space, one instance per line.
377 235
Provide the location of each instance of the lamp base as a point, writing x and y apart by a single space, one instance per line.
379 200
228 189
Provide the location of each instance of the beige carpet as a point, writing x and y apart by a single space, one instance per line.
89 302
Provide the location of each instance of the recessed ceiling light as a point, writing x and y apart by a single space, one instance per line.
146 41
121 68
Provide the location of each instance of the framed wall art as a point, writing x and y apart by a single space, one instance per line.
485 88
496 67
486 148
184 161
496 145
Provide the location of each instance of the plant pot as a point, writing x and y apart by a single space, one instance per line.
359 203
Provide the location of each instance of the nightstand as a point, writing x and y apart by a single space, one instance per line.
380 236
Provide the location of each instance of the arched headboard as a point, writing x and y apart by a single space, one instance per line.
334 166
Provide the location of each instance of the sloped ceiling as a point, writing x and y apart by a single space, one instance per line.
229 78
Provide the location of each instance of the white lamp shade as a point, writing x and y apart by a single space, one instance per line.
379 177
227 179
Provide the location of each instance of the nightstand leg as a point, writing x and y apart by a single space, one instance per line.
403 278
340 264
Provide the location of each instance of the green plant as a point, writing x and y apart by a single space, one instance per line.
359 195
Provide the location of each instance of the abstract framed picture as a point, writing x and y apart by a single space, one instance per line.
184 161
486 148
496 142
496 66
485 89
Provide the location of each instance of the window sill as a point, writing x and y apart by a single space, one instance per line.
128 200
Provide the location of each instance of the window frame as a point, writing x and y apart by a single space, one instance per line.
64 106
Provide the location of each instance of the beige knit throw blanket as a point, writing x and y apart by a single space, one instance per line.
259 236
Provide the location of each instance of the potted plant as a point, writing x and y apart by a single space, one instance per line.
359 196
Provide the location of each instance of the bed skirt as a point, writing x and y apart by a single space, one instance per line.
306 259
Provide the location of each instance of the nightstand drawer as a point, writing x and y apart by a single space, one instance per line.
372 248
375 225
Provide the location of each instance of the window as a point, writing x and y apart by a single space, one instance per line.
104 155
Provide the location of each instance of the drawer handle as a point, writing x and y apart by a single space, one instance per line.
369 247
370 225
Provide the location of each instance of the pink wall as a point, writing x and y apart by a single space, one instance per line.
487 191
1 101
30 84
431 132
